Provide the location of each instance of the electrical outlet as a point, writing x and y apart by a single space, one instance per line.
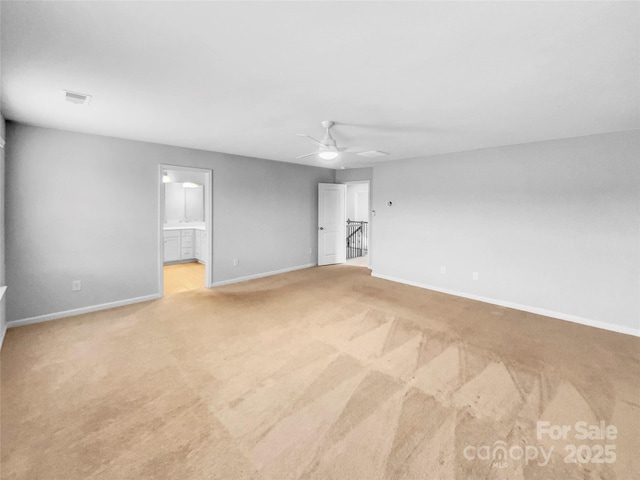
443 269
475 275
76 285
310 251
236 262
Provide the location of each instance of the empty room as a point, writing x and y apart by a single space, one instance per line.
319 240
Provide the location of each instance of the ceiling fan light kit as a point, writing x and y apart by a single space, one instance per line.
328 150
328 155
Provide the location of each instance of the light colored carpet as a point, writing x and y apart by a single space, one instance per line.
324 373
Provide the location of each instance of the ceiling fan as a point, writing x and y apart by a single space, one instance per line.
328 150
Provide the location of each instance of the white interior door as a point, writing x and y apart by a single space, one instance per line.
332 218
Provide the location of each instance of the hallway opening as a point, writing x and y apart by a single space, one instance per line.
357 238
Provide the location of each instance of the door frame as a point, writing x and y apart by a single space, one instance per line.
208 222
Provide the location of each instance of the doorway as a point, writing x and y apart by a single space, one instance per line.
344 233
185 229
358 231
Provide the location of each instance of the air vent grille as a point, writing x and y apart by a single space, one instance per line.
77 98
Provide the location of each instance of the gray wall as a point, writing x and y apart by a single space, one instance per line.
551 225
3 303
264 213
354 174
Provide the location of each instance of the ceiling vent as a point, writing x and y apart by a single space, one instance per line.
76 98
373 154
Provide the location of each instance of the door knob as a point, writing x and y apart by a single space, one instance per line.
321 228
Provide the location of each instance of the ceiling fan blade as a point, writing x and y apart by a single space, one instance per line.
352 150
306 155
311 138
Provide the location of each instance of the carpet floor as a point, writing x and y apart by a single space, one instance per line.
323 373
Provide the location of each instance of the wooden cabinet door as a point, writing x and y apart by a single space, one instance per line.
171 249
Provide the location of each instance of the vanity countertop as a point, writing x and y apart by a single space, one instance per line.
185 226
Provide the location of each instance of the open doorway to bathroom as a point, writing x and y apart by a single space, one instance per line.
358 231
185 254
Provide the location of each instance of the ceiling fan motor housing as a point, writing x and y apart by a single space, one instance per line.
328 140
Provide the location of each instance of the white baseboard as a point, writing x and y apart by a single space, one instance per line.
120 303
261 275
517 306
80 311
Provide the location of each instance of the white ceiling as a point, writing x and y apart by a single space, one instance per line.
409 78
